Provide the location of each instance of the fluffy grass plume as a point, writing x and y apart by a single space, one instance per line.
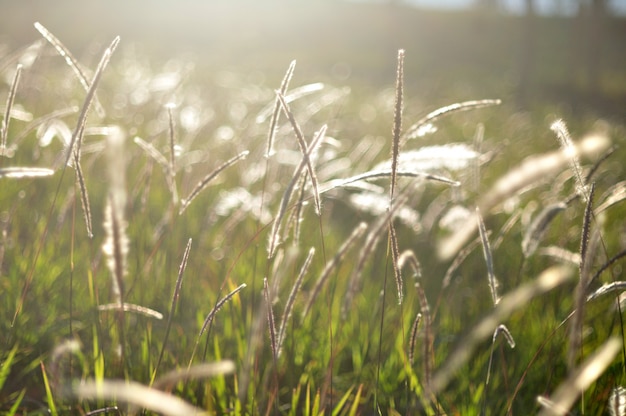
576 328
561 131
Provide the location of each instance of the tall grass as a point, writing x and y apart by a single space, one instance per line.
278 166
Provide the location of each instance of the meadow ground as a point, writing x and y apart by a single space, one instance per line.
497 221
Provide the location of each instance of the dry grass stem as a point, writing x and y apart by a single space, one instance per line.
484 239
539 226
70 60
304 148
4 129
531 171
548 280
276 112
135 394
184 203
271 326
275 232
397 123
334 263
291 301
581 378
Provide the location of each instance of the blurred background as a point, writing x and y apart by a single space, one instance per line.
530 53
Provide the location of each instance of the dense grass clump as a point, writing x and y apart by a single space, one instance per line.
247 248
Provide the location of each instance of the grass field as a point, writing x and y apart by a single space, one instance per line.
184 231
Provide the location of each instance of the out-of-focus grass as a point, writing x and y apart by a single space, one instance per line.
215 117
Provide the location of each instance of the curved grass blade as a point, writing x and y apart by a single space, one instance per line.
4 128
340 183
208 178
412 131
339 256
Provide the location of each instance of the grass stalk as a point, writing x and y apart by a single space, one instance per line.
175 298
4 128
304 148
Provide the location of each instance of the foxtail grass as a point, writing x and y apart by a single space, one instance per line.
397 123
304 148
580 294
284 203
277 107
561 131
208 178
70 61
